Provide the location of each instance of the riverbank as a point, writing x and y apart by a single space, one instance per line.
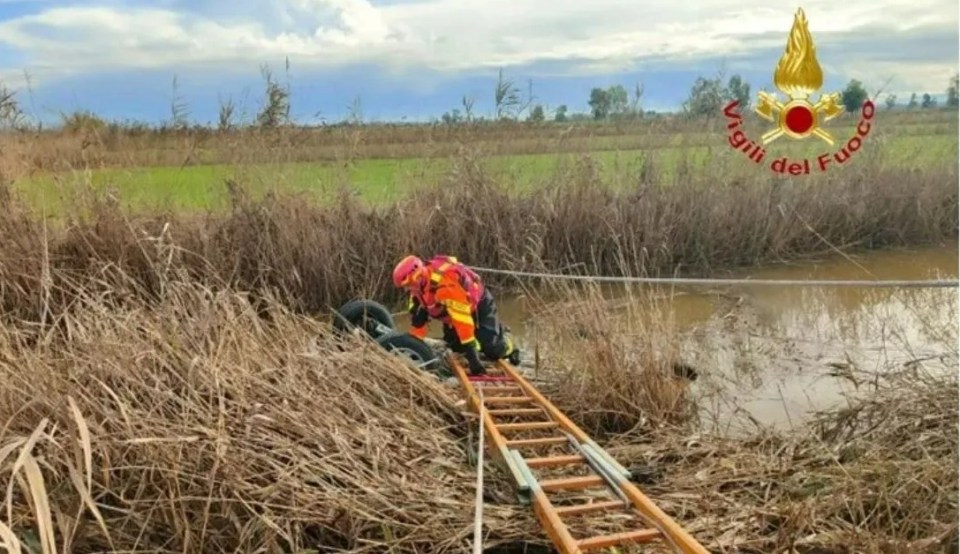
207 422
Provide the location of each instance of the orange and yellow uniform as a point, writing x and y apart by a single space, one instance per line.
451 294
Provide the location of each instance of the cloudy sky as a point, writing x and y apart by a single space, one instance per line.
417 58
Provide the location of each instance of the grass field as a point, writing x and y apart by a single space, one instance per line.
380 178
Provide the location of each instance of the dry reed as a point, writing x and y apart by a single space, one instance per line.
616 364
318 256
196 425
203 421
876 476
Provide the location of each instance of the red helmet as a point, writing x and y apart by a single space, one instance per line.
408 271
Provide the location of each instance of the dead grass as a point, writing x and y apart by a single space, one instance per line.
614 363
196 425
876 476
315 257
205 421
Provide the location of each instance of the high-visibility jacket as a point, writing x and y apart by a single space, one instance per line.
451 295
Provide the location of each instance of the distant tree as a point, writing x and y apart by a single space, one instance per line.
853 96
599 103
928 101
355 111
613 101
739 91
226 114
706 97
526 104
952 97
452 117
179 110
276 109
891 101
467 102
560 115
536 114
913 101
619 100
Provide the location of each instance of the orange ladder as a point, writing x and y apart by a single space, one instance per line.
604 472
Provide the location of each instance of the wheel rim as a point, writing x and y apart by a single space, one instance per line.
414 357
372 326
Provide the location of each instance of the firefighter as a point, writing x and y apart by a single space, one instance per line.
446 289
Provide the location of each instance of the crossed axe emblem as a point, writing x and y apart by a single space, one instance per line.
771 109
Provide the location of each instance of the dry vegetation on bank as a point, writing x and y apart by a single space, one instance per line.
877 476
318 256
204 423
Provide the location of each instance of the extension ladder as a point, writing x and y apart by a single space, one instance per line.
523 400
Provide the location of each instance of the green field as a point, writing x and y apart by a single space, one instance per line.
202 187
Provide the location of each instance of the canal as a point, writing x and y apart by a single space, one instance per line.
771 355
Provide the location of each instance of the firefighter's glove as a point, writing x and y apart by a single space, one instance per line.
472 354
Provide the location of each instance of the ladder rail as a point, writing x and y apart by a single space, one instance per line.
680 538
545 512
543 509
490 428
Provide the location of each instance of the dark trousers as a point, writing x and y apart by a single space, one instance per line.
488 330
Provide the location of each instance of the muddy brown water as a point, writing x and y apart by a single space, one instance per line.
772 355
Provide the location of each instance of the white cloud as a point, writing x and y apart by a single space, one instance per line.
452 35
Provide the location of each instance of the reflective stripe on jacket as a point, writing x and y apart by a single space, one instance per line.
451 295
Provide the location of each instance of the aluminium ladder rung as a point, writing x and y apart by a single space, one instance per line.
500 388
572 483
528 426
507 399
555 461
606 541
542 441
515 412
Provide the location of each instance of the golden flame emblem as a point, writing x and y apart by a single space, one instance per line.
798 75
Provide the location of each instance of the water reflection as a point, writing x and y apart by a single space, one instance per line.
783 351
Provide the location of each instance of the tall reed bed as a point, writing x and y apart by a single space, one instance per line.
316 256
203 421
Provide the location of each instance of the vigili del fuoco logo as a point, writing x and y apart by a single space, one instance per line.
798 75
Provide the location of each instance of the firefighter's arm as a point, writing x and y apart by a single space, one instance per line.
418 318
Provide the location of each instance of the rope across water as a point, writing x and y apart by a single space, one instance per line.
894 283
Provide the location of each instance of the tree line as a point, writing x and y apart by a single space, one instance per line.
706 98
